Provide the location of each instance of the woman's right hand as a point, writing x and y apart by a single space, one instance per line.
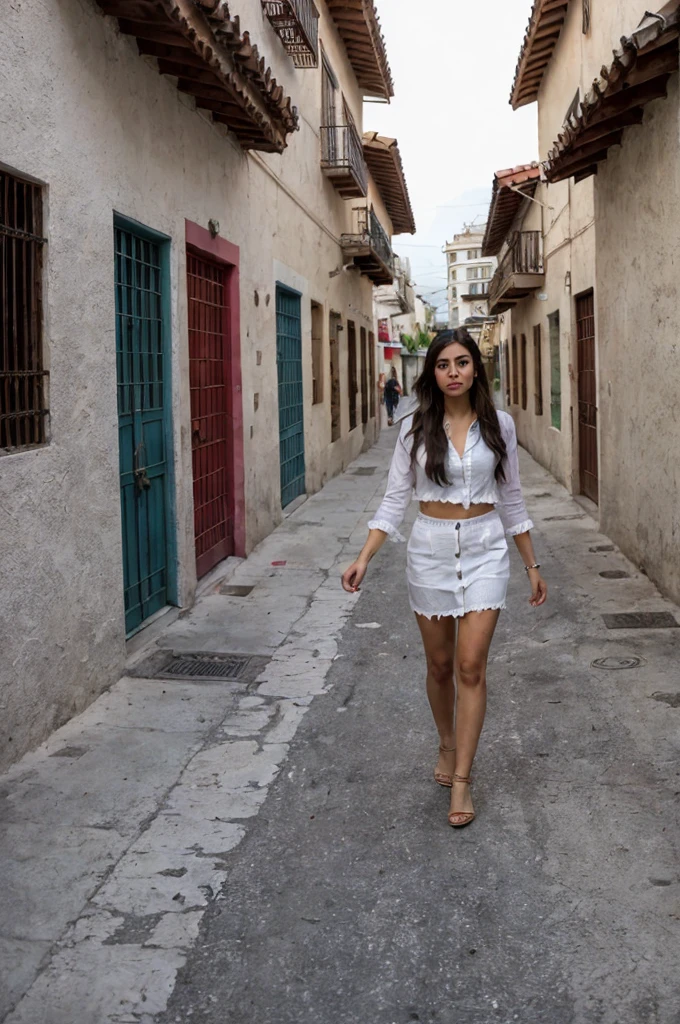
352 577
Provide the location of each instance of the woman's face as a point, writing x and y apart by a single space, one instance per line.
454 370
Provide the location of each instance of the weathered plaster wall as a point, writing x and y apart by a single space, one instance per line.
565 218
638 212
94 122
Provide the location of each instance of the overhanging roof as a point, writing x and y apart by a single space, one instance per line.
638 74
384 162
505 202
359 28
200 45
545 25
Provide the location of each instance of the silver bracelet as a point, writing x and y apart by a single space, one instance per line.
536 565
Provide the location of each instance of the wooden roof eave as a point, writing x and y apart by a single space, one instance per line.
543 31
182 36
638 75
359 28
384 162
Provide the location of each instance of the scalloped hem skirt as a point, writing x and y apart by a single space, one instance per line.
456 566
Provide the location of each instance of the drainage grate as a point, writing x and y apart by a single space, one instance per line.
211 666
364 471
615 574
555 519
640 620
611 663
231 590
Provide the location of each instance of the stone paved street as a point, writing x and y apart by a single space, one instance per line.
273 849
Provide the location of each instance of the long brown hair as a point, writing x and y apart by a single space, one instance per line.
428 419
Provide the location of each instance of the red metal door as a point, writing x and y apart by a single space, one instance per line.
587 396
208 371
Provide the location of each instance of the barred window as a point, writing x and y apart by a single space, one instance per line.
23 381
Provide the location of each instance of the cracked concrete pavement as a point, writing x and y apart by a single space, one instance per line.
272 848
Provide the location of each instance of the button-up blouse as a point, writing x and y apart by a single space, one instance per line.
472 480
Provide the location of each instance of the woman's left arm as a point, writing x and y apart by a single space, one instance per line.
513 513
539 589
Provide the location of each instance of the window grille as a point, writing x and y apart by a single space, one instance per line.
352 372
371 372
523 374
538 374
363 341
515 373
23 381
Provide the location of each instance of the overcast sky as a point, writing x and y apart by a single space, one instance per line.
453 63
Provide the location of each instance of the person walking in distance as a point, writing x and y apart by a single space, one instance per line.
392 392
459 455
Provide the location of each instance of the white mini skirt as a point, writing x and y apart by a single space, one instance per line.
455 566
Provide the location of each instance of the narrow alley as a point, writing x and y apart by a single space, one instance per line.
271 847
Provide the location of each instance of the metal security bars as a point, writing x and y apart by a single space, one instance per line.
297 25
342 159
23 381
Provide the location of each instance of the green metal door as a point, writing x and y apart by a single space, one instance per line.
140 358
289 366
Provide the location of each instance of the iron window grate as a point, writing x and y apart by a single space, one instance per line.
206 666
23 381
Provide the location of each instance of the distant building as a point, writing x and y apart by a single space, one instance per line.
468 274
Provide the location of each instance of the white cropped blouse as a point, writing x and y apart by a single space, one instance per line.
472 480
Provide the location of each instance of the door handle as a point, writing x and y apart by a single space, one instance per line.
142 480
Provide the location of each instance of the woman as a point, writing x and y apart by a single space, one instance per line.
392 392
460 456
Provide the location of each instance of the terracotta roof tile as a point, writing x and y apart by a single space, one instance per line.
359 27
638 74
203 47
505 202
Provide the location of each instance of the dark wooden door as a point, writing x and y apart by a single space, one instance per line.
587 396
208 374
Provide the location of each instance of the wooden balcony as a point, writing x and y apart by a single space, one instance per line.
519 273
296 23
342 160
368 246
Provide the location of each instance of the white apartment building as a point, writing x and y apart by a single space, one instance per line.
468 274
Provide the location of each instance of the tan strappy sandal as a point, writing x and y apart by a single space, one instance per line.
441 778
468 816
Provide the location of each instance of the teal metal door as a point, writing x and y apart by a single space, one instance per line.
140 358
289 366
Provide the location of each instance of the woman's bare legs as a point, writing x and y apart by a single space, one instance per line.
475 632
439 640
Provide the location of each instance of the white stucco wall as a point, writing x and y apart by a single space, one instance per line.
89 118
638 212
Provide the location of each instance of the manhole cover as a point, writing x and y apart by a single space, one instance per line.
602 547
364 471
554 519
230 590
672 699
211 666
640 620
615 574
613 663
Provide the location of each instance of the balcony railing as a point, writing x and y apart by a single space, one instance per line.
342 158
519 272
297 25
369 246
